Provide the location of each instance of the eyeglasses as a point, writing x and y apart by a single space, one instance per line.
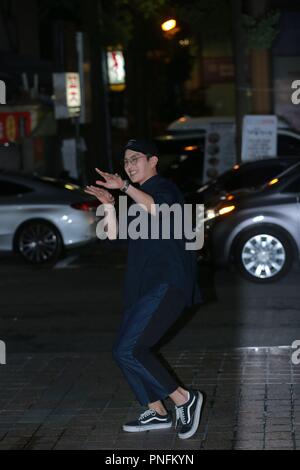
133 161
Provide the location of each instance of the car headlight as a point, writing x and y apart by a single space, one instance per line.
213 213
226 210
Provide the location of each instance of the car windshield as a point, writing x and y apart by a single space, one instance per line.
59 183
289 171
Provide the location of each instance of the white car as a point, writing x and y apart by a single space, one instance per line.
39 217
183 148
288 138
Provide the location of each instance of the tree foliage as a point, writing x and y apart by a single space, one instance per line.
116 18
262 31
211 19
120 16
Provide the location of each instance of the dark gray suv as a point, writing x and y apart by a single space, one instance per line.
258 230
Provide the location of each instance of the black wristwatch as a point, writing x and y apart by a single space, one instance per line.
125 187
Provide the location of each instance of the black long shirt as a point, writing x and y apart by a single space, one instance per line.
152 262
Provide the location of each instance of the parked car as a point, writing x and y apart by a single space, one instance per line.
248 175
40 217
185 142
258 230
185 172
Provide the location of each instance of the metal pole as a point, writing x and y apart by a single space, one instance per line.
79 155
239 47
21 137
107 110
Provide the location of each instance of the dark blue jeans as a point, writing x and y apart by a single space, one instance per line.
142 327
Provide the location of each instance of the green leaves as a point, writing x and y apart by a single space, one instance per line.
211 19
119 18
261 32
147 8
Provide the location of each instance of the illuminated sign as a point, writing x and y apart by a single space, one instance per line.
67 93
73 90
14 126
116 70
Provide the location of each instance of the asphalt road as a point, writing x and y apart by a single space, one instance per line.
76 307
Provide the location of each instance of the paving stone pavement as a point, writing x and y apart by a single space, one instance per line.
80 401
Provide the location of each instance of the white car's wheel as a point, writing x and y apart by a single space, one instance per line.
39 243
263 255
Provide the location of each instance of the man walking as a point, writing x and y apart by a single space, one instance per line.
160 283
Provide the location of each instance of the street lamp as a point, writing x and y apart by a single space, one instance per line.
169 25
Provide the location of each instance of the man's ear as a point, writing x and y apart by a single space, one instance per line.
154 161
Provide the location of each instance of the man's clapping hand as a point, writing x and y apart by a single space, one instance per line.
111 181
105 197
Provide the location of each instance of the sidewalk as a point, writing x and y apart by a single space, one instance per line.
73 401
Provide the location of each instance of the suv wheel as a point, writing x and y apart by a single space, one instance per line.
263 255
39 243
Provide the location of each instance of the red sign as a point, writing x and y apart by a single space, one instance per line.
218 70
221 70
14 126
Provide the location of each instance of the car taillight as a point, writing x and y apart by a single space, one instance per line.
86 206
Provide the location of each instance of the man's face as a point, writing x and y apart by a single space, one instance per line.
138 167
